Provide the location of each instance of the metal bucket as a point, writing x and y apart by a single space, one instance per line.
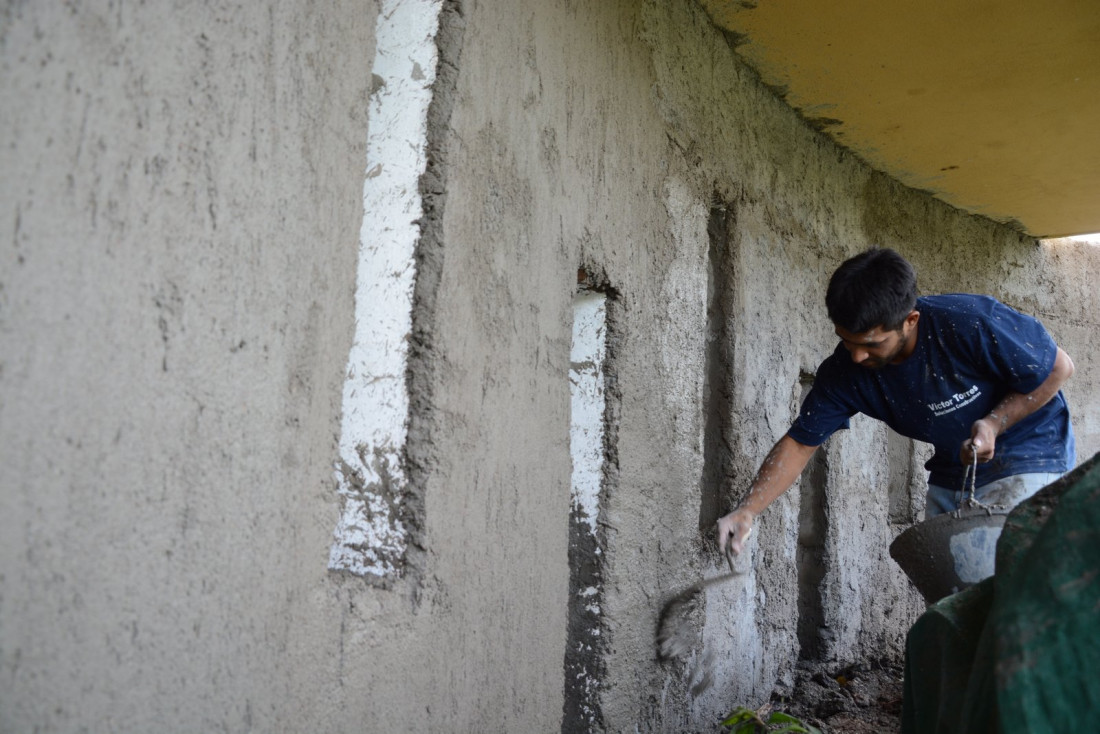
949 552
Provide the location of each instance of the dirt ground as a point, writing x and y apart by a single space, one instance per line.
864 698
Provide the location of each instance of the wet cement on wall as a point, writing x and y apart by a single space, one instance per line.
176 313
180 199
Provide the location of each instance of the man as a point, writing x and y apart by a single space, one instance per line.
964 373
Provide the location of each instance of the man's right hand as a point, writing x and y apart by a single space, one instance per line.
782 466
734 530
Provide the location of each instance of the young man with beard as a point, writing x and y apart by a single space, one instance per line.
964 373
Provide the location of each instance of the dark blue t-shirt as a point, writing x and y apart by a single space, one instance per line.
970 352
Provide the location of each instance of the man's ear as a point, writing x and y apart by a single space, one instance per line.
912 319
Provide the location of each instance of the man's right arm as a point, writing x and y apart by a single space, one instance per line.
779 471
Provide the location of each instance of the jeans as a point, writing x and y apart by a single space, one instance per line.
1009 492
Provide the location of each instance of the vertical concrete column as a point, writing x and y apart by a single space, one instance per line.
813 529
907 483
718 381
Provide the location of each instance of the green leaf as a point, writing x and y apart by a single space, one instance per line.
743 720
793 725
739 715
778 717
745 726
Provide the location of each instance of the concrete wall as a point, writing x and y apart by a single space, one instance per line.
181 203
183 193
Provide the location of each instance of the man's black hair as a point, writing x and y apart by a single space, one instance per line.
876 287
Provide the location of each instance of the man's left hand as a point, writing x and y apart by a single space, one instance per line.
983 441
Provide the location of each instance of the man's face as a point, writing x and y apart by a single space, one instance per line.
878 347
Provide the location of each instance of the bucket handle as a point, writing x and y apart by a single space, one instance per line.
970 477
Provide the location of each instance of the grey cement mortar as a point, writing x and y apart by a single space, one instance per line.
181 198
182 192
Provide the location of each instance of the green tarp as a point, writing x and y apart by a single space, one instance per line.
1018 653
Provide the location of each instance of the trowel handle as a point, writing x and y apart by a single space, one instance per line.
730 555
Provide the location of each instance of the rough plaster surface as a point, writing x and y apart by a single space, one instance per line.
182 198
180 206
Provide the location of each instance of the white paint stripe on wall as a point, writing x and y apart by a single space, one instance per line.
586 378
370 474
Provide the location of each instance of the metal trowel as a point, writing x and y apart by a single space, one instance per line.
674 633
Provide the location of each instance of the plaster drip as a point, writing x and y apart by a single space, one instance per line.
370 538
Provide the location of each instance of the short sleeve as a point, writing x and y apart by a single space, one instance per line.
822 413
1017 348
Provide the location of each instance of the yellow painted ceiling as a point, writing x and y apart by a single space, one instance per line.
992 105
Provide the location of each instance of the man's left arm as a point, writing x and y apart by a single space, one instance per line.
1013 409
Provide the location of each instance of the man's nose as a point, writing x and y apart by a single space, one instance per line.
858 355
